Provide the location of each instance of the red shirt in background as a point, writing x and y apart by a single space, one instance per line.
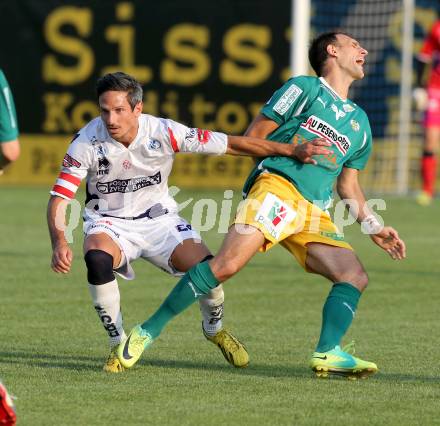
431 53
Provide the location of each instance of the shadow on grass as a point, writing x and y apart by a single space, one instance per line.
94 364
260 370
89 363
68 362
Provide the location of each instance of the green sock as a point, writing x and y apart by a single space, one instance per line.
337 315
197 282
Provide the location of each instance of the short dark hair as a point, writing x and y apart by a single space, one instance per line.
318 49
121 82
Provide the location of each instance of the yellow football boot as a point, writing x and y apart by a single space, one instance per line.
113 365
232 349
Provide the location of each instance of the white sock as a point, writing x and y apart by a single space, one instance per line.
211 307
106 300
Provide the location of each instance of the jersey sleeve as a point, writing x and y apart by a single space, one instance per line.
431 43
288 101
360 158
190 139
8 117
76 164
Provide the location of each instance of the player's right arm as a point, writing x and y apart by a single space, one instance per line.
61 252
76 164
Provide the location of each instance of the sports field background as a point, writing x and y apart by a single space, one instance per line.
53 347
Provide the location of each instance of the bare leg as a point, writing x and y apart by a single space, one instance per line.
336 264
189 253
103 242
239 246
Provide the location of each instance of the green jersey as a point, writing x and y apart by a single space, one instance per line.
306 108
8 118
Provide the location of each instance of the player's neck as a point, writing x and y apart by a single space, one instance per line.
339 83
129 137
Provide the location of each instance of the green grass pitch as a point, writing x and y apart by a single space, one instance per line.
53 348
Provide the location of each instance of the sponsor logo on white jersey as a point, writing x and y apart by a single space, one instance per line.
103 163
128 185
202 136
154 144
288 98
322 128
69 161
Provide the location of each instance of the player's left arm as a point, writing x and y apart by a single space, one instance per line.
386 237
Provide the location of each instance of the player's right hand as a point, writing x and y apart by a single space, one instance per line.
62 258
304 152
420 96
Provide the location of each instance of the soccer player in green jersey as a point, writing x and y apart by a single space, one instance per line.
9 145
287 199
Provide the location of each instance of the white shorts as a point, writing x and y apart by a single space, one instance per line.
151 239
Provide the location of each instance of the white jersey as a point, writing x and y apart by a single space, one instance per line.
130 182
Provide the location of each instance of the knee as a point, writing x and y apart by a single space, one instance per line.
362 281
359 279
356 276
99 267
223 268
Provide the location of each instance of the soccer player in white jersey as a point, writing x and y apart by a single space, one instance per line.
126 158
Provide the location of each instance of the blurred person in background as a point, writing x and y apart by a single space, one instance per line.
427 98
9 144
7 408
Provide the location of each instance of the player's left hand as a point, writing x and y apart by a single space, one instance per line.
388 239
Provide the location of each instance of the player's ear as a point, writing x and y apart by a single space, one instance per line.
331 50
138 108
